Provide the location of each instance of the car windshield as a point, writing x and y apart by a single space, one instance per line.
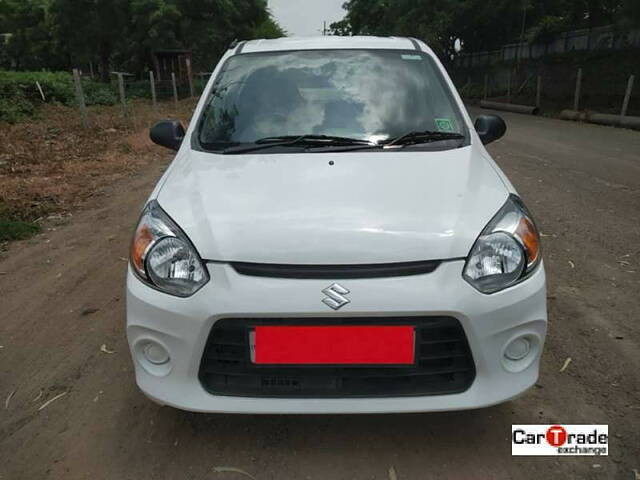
372 95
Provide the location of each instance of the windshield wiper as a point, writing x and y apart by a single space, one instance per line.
320 141
329 139
297 140
427 136
217 146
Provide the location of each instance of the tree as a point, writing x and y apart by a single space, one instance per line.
429 20
341 28
154 25
68 33
88 26
481 25
28 23
269 28
629 14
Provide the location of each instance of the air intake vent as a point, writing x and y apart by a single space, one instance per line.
444 364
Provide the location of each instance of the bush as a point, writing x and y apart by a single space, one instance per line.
15 109
20 97
98 93
138 89
16 230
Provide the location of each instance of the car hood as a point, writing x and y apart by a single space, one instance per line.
366 207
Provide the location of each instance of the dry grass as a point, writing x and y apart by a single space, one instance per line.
51 165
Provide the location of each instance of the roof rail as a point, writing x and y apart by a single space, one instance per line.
415 43
238 45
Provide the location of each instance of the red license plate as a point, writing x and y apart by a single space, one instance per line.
334 345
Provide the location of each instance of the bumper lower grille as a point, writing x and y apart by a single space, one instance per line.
444 364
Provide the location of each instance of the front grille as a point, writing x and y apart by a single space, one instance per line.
375 270
444 364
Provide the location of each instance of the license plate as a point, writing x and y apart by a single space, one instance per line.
333 345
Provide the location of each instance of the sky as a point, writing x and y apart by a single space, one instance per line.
305 17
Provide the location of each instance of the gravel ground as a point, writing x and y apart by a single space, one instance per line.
61 301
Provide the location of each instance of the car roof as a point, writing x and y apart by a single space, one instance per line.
331 42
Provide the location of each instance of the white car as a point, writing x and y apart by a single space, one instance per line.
333 237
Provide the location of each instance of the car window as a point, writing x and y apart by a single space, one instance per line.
365 94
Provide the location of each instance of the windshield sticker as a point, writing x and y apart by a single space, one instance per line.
412 57
444 125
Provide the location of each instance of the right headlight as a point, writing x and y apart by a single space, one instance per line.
507 250
163 257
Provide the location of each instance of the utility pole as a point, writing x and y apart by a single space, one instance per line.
325 31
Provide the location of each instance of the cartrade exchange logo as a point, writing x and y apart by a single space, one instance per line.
560 440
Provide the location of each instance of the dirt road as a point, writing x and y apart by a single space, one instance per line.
61 300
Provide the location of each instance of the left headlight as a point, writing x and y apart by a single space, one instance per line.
163 257
507 250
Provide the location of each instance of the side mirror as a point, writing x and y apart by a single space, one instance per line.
168 133
490 128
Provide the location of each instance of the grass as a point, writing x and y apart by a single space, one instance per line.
20 97
17 230
50 165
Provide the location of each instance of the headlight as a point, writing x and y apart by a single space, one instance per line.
506 251
163 257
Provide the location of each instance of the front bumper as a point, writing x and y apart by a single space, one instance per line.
490 323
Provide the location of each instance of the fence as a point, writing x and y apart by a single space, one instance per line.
128 87
600 38
550 83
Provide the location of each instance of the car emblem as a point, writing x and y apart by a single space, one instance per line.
335 296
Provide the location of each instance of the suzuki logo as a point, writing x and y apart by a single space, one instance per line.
335 296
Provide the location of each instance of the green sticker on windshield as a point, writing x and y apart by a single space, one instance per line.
444 125
411 57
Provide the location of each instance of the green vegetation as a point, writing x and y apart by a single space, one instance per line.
481 24
41 41
108 35
20 96
16 230
121 34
